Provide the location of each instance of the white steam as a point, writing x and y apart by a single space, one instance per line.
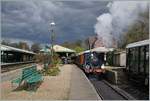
121 15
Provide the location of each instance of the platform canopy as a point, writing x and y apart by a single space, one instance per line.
9 48
45 50
58 48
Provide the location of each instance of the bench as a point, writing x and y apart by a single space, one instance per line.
29 75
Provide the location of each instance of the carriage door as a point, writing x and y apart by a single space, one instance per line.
147 65
141 59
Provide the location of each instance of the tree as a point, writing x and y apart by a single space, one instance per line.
79 49
8 43
77 45
66 44
24 45
35 47
138 31
14 45
86 43
5 42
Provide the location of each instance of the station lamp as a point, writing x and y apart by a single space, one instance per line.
52 25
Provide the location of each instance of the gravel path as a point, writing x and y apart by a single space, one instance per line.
53 87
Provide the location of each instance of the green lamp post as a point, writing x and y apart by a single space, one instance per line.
52 24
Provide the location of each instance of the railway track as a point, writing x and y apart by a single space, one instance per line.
11 67
137 91
107 91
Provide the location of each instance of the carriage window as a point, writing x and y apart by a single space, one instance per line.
136 59
128 59
147 59
133 62
130 55
141 59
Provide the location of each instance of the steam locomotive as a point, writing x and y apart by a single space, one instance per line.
92 61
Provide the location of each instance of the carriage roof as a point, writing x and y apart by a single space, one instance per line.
139 43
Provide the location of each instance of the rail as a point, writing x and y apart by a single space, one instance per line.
13 66
15 63
109 92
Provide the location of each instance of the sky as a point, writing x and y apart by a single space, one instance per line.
30 19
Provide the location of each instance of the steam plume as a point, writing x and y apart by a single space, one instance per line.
122 14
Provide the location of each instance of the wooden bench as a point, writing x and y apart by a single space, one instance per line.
29 75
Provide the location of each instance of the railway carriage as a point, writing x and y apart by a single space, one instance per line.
117 58
137 64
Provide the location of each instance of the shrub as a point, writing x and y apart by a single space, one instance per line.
50 71
52 68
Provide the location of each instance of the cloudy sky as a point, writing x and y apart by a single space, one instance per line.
30 20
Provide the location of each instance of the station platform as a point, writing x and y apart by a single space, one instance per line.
81 88
70 84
